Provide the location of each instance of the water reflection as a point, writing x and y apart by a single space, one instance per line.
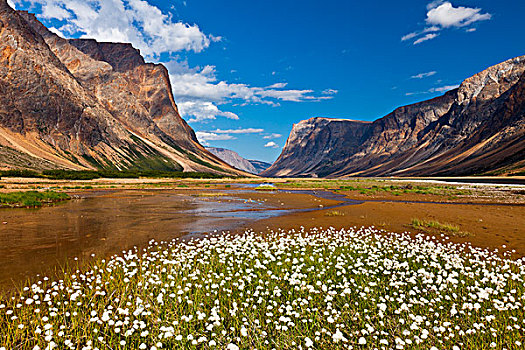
38 241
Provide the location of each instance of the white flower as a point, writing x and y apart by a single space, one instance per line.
232 346
362 341
308 342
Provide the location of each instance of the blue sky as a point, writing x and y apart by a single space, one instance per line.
244 71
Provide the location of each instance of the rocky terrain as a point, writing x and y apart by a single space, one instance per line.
238 162
81 104
478 128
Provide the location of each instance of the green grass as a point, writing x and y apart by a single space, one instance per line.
335 213
210 194
432 226
265 188
31 198
374 187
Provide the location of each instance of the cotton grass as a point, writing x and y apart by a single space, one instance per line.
321 289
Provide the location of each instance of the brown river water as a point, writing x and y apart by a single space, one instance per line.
39 241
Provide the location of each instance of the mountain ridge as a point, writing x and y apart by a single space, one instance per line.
80 104
239 162
476 128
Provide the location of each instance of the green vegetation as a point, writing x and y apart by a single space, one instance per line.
112 174
210 194
335 213
373 187
31 198
431 226
266 188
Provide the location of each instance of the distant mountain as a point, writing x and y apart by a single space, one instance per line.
259 166
478 128
238 162
81 104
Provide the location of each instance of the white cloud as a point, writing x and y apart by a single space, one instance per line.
425 38
415 34
434 4
443 88
239 131
441 15
134 21
423 75
433 90
330 92
204 137
56 31
446 15
272 136
203 111
200 95
271 144
11 3
206 93
278 86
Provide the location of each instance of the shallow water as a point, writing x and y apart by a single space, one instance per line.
36 241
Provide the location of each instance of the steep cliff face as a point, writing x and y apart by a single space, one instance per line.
477 128
80 104
317 145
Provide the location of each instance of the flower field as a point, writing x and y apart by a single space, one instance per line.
321 289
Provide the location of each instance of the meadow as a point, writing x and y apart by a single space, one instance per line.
31 199
357 288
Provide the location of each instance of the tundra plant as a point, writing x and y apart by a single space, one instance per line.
321 289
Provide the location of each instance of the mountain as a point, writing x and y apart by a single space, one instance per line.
81 104
238 162
259 165
478 128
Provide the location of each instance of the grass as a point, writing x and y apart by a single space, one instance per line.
433 226
98 174
374 187
30 199
334 213
322 289
265 188
210 194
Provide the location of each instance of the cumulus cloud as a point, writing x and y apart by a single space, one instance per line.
442 15
201 87
423 75
203 110
134 21
11 3
271 144
272 136
445 15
